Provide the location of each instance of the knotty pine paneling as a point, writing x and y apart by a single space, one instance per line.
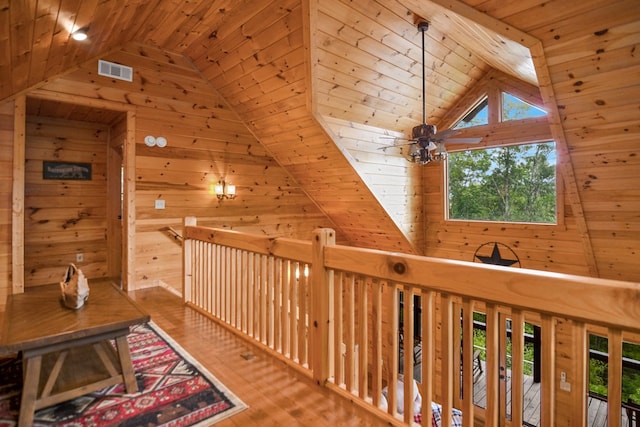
542 247
366 69
359 64
64 217
393 180
207 142
278 112
590 51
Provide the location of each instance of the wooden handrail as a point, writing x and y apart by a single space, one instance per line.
339 322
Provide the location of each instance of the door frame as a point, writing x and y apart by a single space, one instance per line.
18 183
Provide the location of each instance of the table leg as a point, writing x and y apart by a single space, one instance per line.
127 366
32 366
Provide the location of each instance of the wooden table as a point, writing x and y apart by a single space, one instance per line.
37 324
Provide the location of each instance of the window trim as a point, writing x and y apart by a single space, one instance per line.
560 217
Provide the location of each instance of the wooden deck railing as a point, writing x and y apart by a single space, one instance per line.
333 313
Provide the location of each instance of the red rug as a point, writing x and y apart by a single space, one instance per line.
175 391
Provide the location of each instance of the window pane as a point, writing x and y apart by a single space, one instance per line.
513 184
476 117
514 108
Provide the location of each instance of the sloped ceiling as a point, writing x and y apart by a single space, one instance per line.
365 69
34 39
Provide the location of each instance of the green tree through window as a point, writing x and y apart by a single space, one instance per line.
598 369
512 183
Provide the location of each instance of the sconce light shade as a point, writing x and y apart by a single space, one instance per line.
222 190
440 153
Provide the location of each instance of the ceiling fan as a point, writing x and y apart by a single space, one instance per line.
426 145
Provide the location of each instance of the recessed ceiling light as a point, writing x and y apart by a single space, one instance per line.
79 35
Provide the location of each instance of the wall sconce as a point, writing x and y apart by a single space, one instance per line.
222 190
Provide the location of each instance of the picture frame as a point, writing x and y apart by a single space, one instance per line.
66 170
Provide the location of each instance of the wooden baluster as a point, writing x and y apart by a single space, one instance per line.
350 333
614 389
517 360
338 330
362 336
467 362
492 365
394 348
547 386
376 341
448 317
277 304
428 354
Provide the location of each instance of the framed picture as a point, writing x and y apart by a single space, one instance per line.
66 170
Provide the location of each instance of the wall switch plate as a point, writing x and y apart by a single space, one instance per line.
564 385
79 257
159 204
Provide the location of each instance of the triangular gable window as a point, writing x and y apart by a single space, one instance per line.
478 116
514 109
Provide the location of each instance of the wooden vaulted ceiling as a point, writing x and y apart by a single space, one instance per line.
255 54
36 45
297 70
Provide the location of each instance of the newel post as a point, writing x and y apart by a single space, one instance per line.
321 296
187 260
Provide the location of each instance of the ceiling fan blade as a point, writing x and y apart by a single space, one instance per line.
447 132
461 140
394 139
396 145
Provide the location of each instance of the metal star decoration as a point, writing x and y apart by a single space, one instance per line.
496 258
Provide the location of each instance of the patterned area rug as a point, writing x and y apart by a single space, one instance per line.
175 391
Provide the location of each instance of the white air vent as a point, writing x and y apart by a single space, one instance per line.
117 71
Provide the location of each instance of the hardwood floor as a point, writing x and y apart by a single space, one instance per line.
276 394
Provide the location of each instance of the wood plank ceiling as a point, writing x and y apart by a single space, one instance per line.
364 59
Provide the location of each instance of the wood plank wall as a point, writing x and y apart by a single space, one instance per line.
395 182
264 75
590 49
206 143
65 217
542 247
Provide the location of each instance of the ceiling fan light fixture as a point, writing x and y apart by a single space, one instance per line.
419 154
414 152
439 153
